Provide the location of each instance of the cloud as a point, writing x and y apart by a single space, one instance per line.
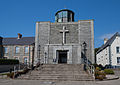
107 36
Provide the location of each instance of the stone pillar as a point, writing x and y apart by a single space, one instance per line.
41 39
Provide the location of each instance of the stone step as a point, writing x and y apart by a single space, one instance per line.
62 69
62 65
61 78
58 78
58 72
58 75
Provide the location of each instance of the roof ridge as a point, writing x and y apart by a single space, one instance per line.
17 37
109 42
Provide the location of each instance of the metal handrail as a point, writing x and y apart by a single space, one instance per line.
91 70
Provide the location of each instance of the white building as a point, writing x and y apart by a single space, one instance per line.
109 52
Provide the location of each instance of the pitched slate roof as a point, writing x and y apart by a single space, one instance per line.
109 42
16 41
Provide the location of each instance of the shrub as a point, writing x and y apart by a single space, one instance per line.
22 72
100 75
108 66
97 68
108 71
11 75
95 65
8 61
100 66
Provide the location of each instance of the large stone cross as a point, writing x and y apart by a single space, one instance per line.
64 31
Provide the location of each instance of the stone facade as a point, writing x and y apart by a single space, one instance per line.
21 55
21 48
49 40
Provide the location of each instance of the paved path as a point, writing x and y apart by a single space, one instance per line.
37 82
117 72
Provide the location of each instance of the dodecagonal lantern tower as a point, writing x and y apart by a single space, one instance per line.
64 15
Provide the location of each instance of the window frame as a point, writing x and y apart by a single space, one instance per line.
5 50
16 49
117 49
118 60
16 57
25 50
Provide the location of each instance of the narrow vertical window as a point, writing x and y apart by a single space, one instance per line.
117 49
6 49
65 14
17 49
118 60
26 49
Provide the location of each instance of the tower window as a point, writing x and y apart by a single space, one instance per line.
64 16
64 13
60 15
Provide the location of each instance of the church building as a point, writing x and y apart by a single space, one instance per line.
64 41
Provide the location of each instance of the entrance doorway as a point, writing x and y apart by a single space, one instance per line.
62 56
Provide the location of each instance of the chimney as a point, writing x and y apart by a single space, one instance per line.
19 35
105 40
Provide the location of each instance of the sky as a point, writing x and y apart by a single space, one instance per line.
20 16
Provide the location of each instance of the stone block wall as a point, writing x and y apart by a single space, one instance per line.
87 35
11 53
48 34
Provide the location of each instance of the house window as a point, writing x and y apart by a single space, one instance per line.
5 57
25 60
6 49
118 60
26 49
117 49
17 49
16 58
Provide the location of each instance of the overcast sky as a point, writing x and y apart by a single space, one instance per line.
20 16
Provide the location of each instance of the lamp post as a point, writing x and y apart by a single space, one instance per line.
84 48
45 57
32 57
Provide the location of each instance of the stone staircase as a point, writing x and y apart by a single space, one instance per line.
58 72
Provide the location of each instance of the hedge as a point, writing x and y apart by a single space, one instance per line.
8 61
100 75
108 71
